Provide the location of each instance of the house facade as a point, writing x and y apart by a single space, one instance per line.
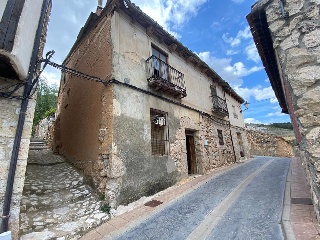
161 113
23 26
286 34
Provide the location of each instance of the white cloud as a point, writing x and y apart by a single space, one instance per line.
236 41
232 73
232 52
232 41
52 76
257 92
252 120
252 53
173 13
276 114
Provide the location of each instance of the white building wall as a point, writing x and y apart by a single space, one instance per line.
3 4
23 44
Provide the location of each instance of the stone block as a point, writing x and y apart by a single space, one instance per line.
4 169
2 152
297 58
291 41
310 100
303 78
294 6
24 148
308 120
312 39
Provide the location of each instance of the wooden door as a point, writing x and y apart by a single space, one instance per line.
191 155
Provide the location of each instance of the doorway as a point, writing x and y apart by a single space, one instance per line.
191 153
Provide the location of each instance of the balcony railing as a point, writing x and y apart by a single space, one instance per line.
219 106
163 77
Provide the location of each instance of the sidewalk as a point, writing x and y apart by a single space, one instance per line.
303 220
301 215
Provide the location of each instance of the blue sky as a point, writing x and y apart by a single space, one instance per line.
215 30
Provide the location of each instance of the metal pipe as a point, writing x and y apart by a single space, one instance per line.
22 116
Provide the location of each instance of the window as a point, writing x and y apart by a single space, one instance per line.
235 115
220 137
159 132
160 64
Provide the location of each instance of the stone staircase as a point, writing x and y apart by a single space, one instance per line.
56 204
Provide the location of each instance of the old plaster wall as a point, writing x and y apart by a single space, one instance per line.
263 144
145 174
297 44
84 115
235 113
141 173
132 47
10 110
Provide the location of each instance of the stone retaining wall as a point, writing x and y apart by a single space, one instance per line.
263 144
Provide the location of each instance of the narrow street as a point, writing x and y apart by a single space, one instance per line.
245 202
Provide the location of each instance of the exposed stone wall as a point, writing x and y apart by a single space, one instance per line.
240 143
45 130
263 144
10 110
297 44
215 154
208 156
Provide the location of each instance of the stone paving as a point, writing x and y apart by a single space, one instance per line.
56 204
186 207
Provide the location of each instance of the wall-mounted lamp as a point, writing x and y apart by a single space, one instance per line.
246 105
205 143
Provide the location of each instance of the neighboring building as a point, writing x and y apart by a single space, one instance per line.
22 36
161 114
287 35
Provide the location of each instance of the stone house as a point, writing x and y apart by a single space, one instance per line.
287 36
161 113
23 26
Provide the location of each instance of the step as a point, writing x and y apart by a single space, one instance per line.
35 202
42 179
44 157
67 219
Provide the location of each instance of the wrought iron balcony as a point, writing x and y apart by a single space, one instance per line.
163 77
219 106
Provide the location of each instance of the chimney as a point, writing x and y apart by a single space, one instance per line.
99 8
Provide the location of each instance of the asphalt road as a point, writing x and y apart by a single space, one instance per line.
243 203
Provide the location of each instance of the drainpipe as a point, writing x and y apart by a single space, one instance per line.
22 116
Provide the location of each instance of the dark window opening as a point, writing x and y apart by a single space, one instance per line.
220 136
159 132
160 64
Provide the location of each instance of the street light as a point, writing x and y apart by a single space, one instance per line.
246 105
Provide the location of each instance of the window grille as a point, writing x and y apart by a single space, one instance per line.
159 132
220 137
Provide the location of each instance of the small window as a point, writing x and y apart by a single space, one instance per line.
220 137
159 132
235 115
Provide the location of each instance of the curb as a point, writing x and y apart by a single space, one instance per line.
285 219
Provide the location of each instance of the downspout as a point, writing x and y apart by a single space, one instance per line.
21 121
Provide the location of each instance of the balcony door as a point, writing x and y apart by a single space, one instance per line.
160 64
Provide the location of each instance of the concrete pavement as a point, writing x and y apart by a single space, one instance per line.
133 224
